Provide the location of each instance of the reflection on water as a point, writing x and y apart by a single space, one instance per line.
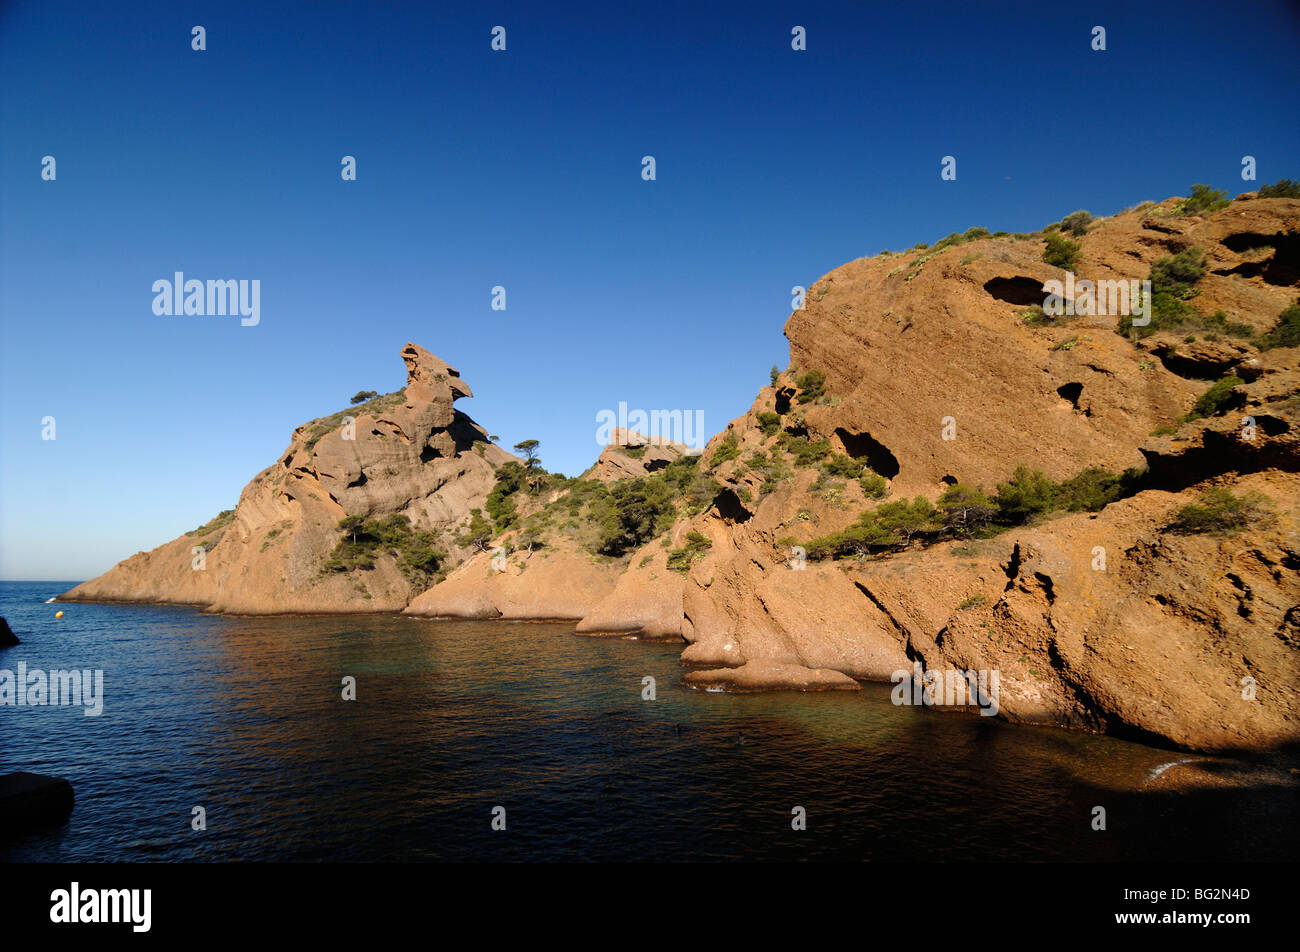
244 717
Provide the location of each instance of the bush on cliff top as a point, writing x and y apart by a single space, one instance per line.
1061 252
1283 188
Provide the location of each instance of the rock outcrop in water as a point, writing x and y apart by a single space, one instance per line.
7 637
781 556
29 800
407 454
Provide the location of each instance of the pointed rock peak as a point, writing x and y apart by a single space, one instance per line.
426 370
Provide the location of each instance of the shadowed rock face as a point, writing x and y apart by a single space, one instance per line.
411 452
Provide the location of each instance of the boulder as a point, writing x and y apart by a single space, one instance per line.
29 800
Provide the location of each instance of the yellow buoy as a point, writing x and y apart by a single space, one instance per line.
58 614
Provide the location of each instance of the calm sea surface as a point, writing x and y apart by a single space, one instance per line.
243 716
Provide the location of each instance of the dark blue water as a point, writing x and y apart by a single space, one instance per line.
243 716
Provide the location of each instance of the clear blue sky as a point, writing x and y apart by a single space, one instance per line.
522 169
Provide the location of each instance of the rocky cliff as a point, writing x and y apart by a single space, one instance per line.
409 455
941 373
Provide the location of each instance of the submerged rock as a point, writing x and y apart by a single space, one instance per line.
28 800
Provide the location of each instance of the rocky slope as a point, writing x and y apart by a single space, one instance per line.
410 453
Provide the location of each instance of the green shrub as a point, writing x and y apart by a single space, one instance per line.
805 452
1092 489
1076 223
874 486
971 234
363 395
769 422
1027 494
840 465
414 550
966 510
511 477
812 385
1173 282
1215 400
637 510
1286 332
478 533
890 525
728 449
1061 252
1283 188
1179 273
1218 511
679 560
775 374
772 468
1203 199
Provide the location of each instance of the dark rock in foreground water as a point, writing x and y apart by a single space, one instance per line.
7 637
28 800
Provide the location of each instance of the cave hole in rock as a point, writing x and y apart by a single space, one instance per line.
429 453
862 446
1281 270
1272 426
1201 367
1070 392
359 481
654 465
730 507
948 481
1017 290
783 398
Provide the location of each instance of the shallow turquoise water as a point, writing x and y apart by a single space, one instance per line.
243 716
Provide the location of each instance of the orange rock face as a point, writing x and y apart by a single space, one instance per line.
1103 620
410 452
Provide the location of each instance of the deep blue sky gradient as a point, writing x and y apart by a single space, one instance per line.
523 169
